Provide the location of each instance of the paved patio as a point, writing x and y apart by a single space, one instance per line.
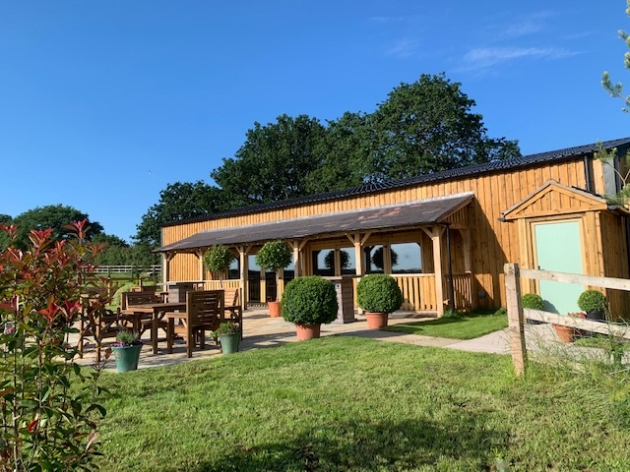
261 331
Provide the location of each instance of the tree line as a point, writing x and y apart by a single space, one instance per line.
421 128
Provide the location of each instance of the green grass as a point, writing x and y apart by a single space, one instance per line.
462 326
354 404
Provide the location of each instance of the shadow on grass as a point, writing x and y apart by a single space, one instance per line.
463 443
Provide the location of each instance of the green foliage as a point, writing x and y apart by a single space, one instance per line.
57 217
377 258
227 327
218 259
117 298
126 338
616 90
428 126
501 312
310 300
274 163
178 201
379 293
274 255
329 260
592 301
532 301
48 415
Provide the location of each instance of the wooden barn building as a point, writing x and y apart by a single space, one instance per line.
445 237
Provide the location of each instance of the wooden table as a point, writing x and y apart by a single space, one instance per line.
158 310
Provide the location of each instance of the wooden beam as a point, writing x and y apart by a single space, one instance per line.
358 258
516 321
366 236
244 263
337 254
387 259
436 237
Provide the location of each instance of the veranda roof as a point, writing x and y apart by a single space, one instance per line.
408 214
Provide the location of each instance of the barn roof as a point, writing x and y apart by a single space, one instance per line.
409 214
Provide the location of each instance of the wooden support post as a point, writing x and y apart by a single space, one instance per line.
337 262
296 259
516 321
436 236
387 259
202 271
279 283
244 265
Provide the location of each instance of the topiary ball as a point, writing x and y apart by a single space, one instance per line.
591 301
532 301
379 293
310 301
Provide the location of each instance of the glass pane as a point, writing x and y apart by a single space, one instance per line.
234 272
406 258
374 259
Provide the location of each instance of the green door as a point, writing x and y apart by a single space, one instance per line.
559 248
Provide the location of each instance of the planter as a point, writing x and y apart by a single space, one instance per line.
377 320
230 342
127 357
566 334
306 332
274 309
595 316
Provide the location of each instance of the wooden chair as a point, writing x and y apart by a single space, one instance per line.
100 325
203 313
233 310
141 321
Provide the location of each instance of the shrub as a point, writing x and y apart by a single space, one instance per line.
532 301
274 255
117 298
379 293
48 420
592 301
310 300
218 259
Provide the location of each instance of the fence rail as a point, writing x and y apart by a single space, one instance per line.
127 269
517 315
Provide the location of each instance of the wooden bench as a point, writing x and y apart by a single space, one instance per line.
141 320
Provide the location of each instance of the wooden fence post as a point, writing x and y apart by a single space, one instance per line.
516 321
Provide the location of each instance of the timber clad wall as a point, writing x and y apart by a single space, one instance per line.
493 242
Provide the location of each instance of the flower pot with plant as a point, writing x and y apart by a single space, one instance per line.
568 334
533 301
378 295
127 350
274 255
228 336
218 260
309 302
594 303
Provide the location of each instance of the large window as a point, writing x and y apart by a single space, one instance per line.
407 258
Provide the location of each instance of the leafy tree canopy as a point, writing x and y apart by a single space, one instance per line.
111 240
179 201
274 163
55 217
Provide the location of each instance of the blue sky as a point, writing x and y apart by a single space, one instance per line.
102 104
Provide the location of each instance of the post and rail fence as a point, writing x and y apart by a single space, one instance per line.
128 269
517 315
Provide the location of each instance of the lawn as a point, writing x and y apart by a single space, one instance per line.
341 403
461 326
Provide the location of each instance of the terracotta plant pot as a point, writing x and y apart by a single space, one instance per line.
306 332
377 320
566 334
274 309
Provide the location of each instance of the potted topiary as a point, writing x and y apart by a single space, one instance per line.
274 255
594 303
218 260
532 301
228 336
309 302
378 295
127 350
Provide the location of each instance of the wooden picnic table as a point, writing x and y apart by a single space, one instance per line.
158 310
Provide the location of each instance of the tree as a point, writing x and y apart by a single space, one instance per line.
428 126
179 201
274 163
57 217
4 239
346 148
616 90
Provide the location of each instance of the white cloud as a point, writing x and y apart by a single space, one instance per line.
480 58
402 49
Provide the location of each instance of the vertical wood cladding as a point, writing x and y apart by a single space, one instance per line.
493 242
